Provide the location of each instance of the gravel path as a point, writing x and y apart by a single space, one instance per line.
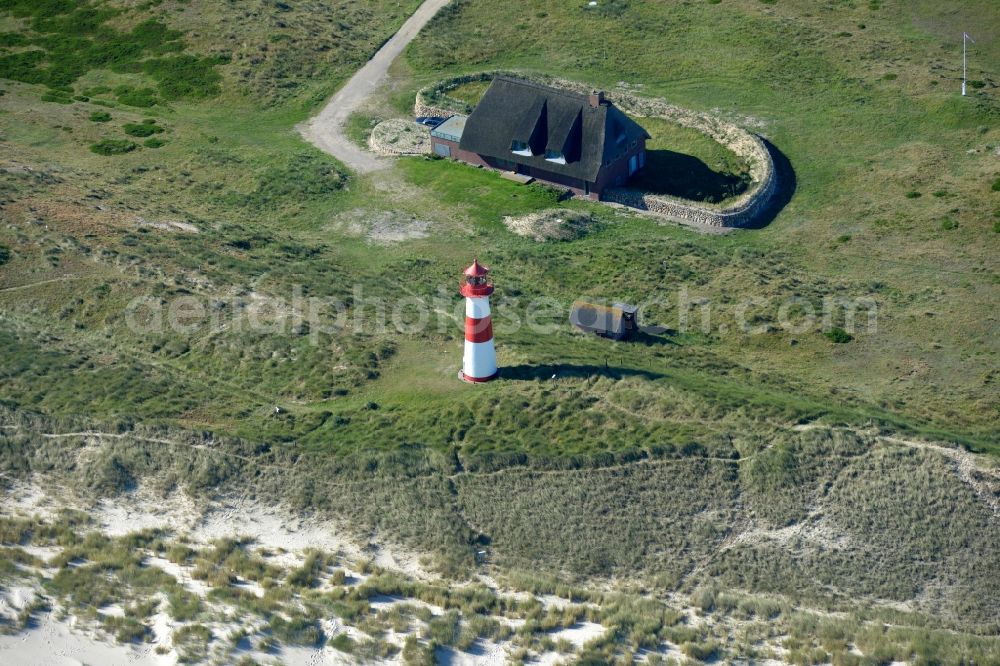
326 130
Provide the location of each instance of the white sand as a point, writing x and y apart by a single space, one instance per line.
488 654
580 633
53 643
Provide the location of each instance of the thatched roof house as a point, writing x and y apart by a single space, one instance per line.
581 142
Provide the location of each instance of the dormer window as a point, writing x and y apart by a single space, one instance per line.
555 156
520 148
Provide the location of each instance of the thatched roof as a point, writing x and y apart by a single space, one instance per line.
548 120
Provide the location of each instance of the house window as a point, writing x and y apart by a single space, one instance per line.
642 158
555 156
442 149
520 148
632 145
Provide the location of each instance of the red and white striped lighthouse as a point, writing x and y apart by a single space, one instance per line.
480 361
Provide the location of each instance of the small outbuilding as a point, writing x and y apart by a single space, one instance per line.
617 322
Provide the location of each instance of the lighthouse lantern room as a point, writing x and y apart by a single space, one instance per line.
480 361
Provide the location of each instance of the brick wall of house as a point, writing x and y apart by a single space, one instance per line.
452 146
609 176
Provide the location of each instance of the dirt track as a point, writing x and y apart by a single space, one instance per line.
326 129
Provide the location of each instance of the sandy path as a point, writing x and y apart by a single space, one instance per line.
326 130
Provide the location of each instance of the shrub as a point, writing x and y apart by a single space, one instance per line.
142 129
341 642
185 76
154 143
415 654
191 643
109 476
948 224
838 335
57 96
996 185
100 116
142 97
178 553
5 253
890 76
704 599
913 194
183 605
996 228
700 651
444 629
296 631
125 629
305 175
113 147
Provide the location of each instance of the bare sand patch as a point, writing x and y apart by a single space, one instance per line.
382 227
168 225
556 224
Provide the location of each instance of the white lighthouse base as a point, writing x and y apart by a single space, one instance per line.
479 363
477 380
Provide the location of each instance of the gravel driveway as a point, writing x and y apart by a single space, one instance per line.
326 129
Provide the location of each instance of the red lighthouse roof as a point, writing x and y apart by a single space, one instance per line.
476 269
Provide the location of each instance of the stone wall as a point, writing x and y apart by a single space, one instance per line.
739 212
743 215
400 137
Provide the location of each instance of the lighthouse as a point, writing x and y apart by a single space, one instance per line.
480 361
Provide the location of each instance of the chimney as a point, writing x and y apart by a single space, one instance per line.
596 98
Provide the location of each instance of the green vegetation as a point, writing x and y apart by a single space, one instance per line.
686 163
100 116
342 643
141 97
57 96
73 38
113 147
191 642
359 127
838 335
145 128
469 93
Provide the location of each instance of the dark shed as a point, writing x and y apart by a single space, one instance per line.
616 322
